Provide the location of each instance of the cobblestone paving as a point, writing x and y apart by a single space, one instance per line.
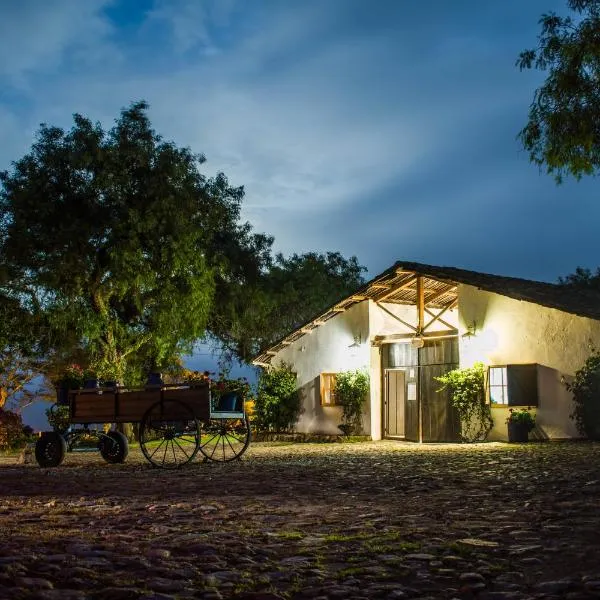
309 521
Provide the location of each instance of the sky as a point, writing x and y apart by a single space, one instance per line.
384 129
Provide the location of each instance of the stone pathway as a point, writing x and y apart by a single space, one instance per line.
309 521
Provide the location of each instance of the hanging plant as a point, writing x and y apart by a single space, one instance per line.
467 394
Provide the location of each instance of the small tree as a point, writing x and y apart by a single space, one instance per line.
586 396
278 401
351 389
467 393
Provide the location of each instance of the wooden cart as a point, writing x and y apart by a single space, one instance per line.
175 422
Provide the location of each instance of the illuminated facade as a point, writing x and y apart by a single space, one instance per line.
415 322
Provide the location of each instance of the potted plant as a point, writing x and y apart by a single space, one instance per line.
520 422
72 378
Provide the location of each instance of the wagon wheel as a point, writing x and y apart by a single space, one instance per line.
225 439
169 434
113 447
50 449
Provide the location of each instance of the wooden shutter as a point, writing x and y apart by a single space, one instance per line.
522 385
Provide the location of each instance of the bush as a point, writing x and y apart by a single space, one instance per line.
12 432
467 393
277 405
586 396
58 418
351 389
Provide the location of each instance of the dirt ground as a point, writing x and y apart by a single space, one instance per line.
317 521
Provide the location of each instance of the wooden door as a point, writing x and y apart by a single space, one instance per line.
393 411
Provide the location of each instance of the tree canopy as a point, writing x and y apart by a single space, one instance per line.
287 294
116 250
117 236
563 129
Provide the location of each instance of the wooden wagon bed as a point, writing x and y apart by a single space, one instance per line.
128 405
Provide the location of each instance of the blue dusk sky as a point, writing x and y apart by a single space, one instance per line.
384 129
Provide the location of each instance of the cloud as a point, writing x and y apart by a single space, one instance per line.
385 133
192 23
37 36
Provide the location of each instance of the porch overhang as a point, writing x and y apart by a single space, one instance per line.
398 285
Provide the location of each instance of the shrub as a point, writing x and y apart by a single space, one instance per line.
467 395
277 405
12 432
351 389
58 418
586 396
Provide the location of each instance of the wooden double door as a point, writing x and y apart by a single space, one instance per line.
414 408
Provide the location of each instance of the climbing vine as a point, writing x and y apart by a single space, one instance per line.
467 393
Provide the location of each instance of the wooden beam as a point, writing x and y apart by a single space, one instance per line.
389 312
358 298
397 289
439 293
420 304
436 317
385 286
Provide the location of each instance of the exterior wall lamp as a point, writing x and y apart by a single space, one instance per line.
357 341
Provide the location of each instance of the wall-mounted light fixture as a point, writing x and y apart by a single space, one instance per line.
471 330
357 341
417 342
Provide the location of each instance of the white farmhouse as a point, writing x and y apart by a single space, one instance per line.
415 322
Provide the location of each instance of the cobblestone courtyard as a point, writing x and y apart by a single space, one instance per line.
368 520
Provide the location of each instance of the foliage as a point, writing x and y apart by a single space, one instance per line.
585 388
12 432
58 418
351 389
467 393
285 294
72 378
117 240
562 131
522 416
582 279
277 403
21 357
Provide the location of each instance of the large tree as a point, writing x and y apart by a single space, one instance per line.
563 130
119 240
286 294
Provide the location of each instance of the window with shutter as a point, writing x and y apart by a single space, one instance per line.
513 385
328 389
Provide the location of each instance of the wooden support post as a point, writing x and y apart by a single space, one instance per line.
420 304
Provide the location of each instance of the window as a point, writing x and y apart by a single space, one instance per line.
328 389
498 385
513 385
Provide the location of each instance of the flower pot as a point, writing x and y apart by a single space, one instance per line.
62 396
518 432
154 379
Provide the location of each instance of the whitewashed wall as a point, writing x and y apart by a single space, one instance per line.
327 350
517 332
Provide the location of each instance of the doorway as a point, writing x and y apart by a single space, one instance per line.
394 403
414 407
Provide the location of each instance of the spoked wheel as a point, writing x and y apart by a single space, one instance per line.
169 434
225 439
113 447
50 449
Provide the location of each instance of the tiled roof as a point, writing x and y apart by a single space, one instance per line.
397 285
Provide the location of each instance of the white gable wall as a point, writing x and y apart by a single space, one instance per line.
327 350
511 331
